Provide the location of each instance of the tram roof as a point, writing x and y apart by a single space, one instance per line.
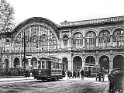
49 58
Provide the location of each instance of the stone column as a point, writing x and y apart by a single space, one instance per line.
83 61
97 61
110 64
83 42
29 62
69 65
72 64
111 41
97 41
69 43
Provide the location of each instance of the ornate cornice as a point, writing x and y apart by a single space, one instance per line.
93 21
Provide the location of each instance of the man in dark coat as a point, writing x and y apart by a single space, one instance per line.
74 74
82 74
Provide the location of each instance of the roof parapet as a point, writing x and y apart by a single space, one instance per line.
93 21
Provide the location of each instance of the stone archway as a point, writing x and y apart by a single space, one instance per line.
118 61
34 62
6 64
77 63
16 62
90 60
65 63
104 63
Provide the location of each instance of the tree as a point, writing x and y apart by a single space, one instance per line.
6 17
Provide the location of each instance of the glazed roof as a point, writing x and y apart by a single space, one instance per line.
37 20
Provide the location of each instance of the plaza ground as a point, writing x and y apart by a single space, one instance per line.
65 85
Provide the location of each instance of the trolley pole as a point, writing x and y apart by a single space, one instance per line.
24 50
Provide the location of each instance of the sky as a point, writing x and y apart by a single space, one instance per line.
70 10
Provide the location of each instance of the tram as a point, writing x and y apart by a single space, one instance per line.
91 70
49 68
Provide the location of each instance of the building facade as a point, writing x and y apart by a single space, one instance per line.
90 42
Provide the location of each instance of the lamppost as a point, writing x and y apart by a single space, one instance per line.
2 63
24 51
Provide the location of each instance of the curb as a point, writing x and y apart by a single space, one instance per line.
15 79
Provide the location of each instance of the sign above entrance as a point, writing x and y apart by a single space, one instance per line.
29 56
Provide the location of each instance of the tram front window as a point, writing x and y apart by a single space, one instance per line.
43 64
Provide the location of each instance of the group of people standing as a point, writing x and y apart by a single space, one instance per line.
75 74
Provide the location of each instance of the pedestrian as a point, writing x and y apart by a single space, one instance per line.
27 73
89 73
78 74
68 73
63 73
82 74
111 82
74 74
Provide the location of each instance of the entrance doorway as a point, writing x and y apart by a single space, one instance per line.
6 62
65 63
118 62
77 63
104 63
90 60
16 62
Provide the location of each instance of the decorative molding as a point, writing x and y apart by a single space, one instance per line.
93 21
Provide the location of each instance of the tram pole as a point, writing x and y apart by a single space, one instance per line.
24 51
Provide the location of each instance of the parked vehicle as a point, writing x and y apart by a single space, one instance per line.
116 81
49 68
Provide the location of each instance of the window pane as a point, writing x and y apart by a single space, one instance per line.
47 64
43 64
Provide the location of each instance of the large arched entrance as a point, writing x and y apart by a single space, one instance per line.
6 64
16 62
77 63
118 62
104 63
34 62
65 63
90 60
26 62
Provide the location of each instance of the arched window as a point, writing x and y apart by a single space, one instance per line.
90 60
37 38
78 40
16 62
44 41
65 40
90 39
104 38
118 38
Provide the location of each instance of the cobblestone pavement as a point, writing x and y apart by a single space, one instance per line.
66 85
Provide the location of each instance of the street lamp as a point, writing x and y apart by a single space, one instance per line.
24 51
2 63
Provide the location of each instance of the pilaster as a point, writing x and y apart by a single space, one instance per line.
110 64
97 41
83 42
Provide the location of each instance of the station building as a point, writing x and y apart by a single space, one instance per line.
97 42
